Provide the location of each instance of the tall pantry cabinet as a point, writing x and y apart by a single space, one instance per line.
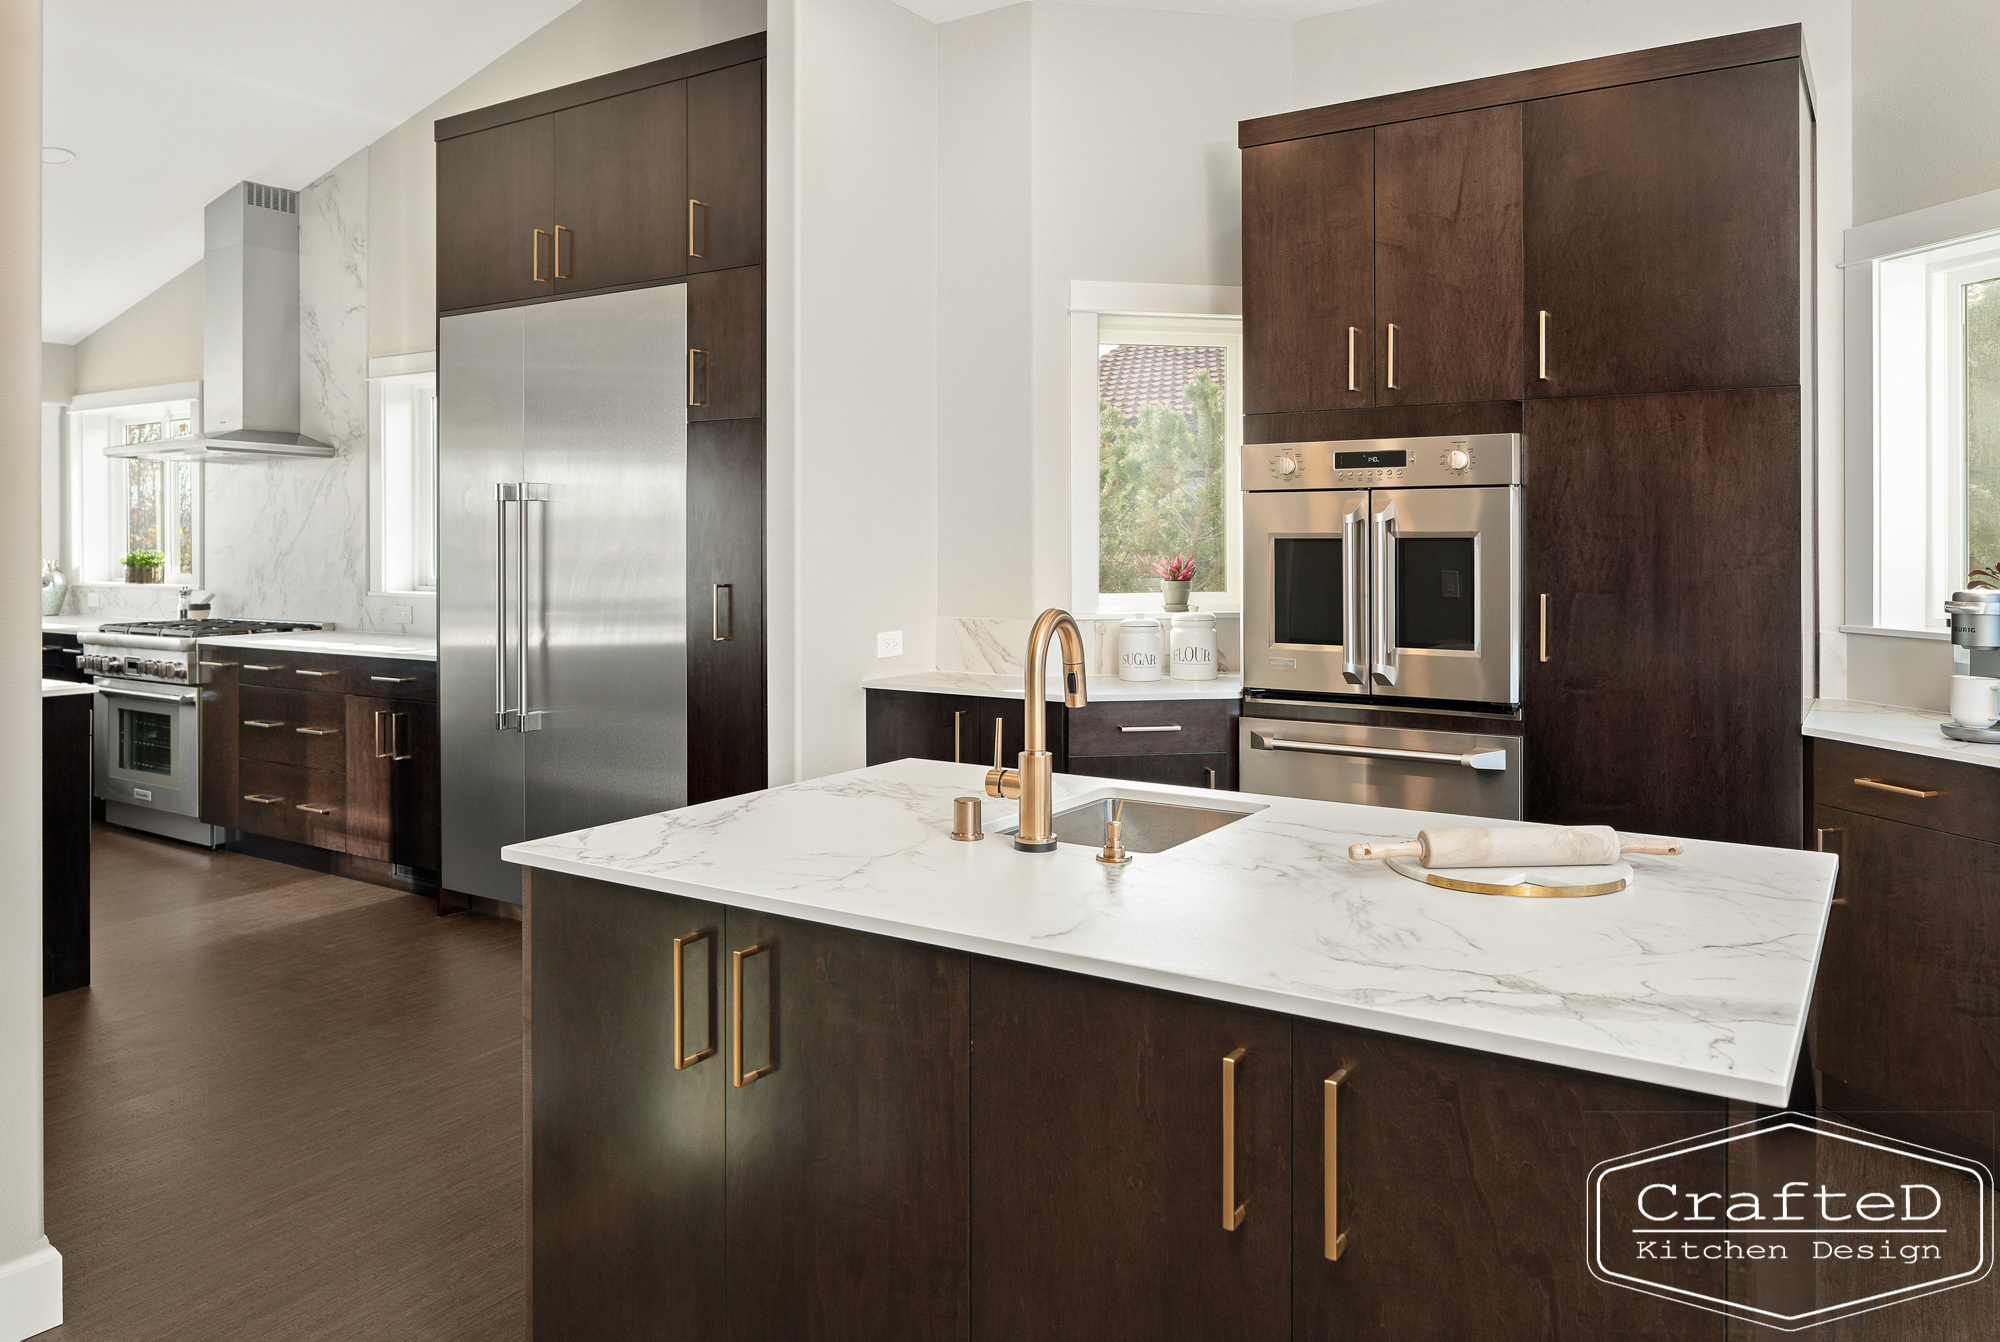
1613 258
649 176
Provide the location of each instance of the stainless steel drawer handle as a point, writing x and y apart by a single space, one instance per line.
267 724
394 680
110 693
262 798
297 671
252 666
222 665
316 731
1471 759
1173 728
316 810
56 647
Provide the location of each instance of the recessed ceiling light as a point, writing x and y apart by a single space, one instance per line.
53 154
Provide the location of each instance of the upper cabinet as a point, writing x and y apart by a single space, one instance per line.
1663 234
634 178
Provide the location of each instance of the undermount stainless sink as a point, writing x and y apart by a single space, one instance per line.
1151 825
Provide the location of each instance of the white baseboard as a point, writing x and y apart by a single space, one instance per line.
31 1294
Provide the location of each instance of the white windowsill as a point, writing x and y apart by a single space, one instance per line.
1936 635
430 595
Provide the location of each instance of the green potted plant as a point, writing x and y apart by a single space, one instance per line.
1176 577
144 566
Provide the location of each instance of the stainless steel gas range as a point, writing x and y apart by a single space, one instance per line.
147 737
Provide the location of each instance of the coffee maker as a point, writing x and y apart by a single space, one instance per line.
1975 649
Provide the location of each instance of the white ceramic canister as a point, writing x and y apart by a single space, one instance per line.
1194 646
1139 651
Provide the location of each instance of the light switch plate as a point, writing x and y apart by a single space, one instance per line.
889 644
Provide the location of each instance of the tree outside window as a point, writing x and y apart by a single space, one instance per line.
1162 484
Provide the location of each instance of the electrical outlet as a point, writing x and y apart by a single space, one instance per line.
889 644
400 615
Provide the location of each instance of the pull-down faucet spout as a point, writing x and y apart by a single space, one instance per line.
1032 784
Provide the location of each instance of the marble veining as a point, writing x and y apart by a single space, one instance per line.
1102 687
1914 731
1699 977
998 647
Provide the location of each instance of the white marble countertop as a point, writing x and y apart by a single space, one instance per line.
1698 977
416 647
70 624
55 689
1914 731
1102 689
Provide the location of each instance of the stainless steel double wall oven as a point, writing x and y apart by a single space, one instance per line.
1383 573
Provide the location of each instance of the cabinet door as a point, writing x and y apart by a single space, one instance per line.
495 188
1912 897
620 188
1460 1182
1663 225
847 1198
726 345
1309 273
725 166
1185 770
1100 1169
1448 257
1663 545
221 722
392 781
726 695
625 1149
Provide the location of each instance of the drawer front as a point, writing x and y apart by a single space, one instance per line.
1209 771
293 727
394 678
1153 727
284 801
328 673
1964 798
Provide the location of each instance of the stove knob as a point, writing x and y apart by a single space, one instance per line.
1458 459
1287 466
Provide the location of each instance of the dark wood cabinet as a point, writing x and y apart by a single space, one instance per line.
59 654
911 724
495 208
621 169
66 765
725 168
726 344
847 1160
1100 1170
1460 1180
626 1149
1217 770
1448 257
1662 677
727 741
220 716
1308 274
1663 233
392 763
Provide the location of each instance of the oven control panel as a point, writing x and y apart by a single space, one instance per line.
1385 463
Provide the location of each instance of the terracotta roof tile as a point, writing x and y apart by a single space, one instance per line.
1131 376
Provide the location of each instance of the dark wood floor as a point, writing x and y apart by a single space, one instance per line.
289 1106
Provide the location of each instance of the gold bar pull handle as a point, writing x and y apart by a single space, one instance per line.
1392 358
701 250
1542 345
537 269
741 1077
1881 786
703 399
1232 1210
682 1058
1211 779
316 810
399 746
560 230
1353 333
958 737
1545 626
1819 845
1336 1239
715 613
381 752
317 731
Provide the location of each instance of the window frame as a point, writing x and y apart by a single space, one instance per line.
95 481
402 530
1197 305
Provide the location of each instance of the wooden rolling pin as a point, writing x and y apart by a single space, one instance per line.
1523 846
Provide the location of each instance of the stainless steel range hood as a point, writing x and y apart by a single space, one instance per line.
249 335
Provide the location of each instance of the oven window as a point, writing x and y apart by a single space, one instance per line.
146 742
1306 590
1434 600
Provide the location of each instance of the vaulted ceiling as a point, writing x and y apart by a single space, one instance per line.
944 11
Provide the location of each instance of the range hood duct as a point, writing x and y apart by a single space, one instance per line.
249 335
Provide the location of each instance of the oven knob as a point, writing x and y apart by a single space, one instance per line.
1458 459
1287 466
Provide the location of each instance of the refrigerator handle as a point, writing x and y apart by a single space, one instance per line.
1382 562
502 496
526 718
1354 594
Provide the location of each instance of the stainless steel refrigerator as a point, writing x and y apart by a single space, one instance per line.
562 553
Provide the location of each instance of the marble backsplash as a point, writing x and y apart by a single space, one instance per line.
973 643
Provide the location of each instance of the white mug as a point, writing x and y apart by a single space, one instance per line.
1975 700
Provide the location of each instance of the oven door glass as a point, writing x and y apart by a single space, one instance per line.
146 742
1444 594
1305 599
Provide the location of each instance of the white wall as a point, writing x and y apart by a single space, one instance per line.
152 343
30 1270
1926 104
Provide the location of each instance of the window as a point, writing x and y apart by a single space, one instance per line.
403 482
1156 475
130 505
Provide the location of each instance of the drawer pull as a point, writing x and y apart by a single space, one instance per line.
223 665
1173 728
1881 786
1232 1210
743 1078
1336 1239
262 798
56 647
1211 779
394 680
316 731
316 810
252 666
300 671
682 1058
265 723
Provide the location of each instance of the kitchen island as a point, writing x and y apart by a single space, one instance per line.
897 1082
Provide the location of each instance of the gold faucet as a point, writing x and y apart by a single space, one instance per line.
1033 783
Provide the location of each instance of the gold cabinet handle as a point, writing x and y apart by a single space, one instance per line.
1545 626
1353 332
399 748
1211 779
537 268
1172 727
1336 1240
1819 845
560 230
741 1077
715 613
1542 343
262 798
1232 1210
316 731
316 810
299 671
395 749
395 680
217 665
1392 358
264 724
252 666
704 376
701 251
957 737
1881 786
682 1058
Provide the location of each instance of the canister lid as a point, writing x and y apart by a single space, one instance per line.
1139 622
1195 617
